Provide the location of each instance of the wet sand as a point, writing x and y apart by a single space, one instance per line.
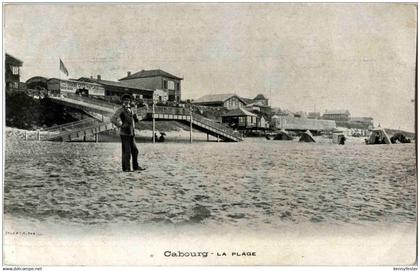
293 192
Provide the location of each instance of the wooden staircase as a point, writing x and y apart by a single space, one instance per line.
106 109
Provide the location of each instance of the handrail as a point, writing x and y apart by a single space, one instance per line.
215 125
71 124
162 110
103 103
79 130
186 112
98 124
76 127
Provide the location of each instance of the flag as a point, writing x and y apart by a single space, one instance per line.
63 68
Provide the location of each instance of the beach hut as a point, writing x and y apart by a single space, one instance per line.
307 137
282 135
378 136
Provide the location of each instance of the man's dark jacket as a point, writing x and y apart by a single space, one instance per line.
124 118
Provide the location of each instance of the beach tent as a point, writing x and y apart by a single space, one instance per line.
399 138
282 135
378 136
307 137
338 138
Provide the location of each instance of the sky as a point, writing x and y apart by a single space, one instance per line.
304 57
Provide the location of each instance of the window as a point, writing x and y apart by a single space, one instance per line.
171 85
165 84
177 86
15 70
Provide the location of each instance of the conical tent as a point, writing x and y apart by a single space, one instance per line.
283 135
307 137
378 136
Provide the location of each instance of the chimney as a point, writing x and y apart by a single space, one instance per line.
91 77
99 77
128 74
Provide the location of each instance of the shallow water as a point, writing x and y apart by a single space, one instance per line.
248 184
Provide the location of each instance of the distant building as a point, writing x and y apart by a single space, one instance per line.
301 124
155 79
363 122
37 83
300 114
115 88
337 115
160 96
240 118
57 86
228 101
260 99
12 72
314 115
258 104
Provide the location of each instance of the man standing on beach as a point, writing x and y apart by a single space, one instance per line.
125 118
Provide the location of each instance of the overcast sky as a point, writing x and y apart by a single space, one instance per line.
359 57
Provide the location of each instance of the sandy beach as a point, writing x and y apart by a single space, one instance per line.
344 199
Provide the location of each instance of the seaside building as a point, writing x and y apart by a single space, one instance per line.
233 101
314 115
155 79
337 115
12 72
301 124
114 88
261 99
57 86
228 101
37 83
240 118
361 122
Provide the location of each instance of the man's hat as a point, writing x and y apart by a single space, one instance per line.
126 96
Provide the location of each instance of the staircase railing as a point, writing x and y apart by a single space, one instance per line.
81 129
80 125
98 102
160 110
196 117
216 125
66 126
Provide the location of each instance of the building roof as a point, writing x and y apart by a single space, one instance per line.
13 60
238 113
216 98
337 112
36 79
361 119
74 81
257 103
260 97
247 100
150 73
112 83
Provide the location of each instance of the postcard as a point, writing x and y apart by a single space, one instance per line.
205 134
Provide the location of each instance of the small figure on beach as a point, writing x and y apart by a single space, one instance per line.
162 137
125 118
342 140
